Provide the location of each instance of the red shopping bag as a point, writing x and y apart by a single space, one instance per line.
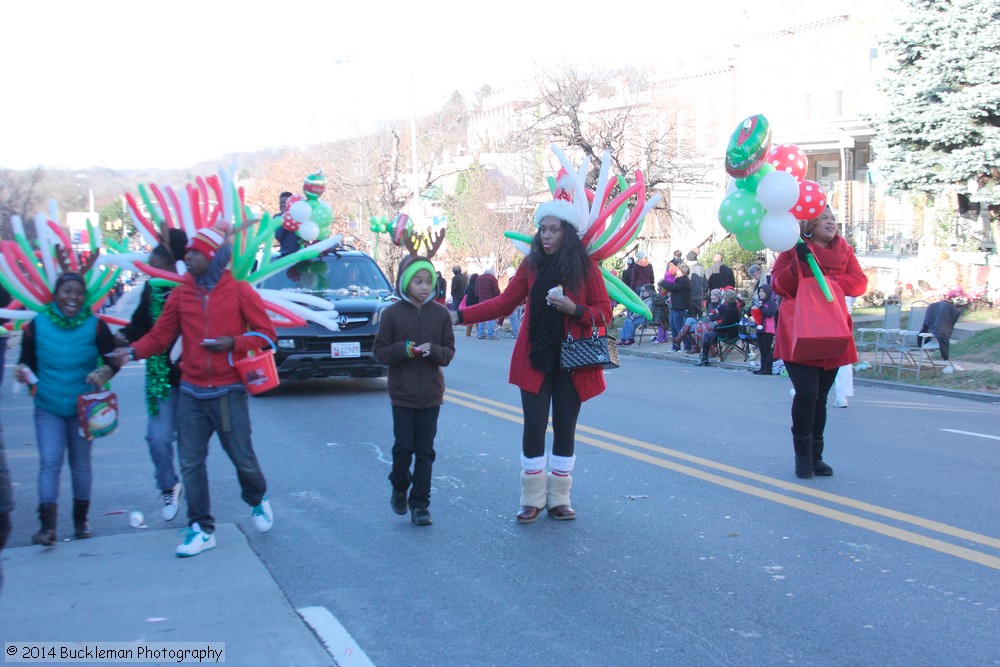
820 329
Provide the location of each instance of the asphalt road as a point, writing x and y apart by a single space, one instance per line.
695 543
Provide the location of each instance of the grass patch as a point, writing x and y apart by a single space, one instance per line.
983 347
980 381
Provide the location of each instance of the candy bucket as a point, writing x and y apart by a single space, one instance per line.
258 372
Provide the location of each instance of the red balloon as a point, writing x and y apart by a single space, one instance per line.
789 158
812 201
288 222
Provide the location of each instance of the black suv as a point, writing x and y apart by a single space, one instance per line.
357 288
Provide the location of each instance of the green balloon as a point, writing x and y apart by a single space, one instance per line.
739 212
750 183
322 214
750 240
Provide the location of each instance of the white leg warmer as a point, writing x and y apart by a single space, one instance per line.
533 465
533 489
561 465
557 492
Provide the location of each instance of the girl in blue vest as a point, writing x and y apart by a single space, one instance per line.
64 348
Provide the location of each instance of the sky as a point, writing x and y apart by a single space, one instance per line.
167 84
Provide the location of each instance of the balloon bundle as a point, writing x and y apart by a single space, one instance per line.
28 270
309 217
767 194
207 203
610 224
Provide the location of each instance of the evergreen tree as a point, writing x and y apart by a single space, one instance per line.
941 125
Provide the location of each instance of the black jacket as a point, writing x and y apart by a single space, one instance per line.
680 293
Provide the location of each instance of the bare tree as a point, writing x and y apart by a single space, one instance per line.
20 194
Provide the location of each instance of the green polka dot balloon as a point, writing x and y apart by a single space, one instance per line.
740 212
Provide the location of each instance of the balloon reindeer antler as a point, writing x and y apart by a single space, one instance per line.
414 241
608 226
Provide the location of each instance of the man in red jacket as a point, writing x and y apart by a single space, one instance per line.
215 315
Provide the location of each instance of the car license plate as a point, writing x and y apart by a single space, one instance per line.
338 350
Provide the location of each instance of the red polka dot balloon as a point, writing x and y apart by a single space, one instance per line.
812 201
289 223
789 158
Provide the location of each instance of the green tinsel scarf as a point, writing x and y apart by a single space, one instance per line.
158 367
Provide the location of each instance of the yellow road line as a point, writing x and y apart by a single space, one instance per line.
512 414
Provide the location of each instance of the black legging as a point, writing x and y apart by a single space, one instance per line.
558 391
812 385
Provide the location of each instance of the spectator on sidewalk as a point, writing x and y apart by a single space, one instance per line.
642 272
698 285
719 275
459 282
680 301
634 320
215 315
487 288
470 299
768 307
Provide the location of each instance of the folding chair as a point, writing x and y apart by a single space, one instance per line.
728 341
868 336
903 346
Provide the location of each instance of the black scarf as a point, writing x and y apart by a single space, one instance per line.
545 326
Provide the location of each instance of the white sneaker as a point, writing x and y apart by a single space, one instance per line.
195 541
263 518
172 502
840 402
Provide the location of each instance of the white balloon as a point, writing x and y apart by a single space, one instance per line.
301 212
731 185
779 231
778 191
309 231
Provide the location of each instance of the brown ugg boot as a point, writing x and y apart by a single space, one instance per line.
557 497
533 487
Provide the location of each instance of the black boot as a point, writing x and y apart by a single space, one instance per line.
803 456
80 509
46 536
819 468
703 361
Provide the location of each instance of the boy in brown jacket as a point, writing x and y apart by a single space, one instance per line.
415 339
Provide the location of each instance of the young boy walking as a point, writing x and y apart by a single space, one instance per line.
415 339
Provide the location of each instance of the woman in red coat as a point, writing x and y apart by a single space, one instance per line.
565 293
813 378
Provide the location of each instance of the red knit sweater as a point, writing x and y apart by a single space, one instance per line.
592 294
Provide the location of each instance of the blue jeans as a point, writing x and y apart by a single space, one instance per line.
677 318
631 323
55 436
490 328
414 430
228 417
515 320
161 433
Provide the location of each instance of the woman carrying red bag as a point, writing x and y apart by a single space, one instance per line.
813 372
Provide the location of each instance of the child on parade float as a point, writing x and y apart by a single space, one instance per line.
415 339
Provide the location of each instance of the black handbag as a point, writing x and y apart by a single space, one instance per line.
595 352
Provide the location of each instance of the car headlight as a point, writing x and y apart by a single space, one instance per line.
286 343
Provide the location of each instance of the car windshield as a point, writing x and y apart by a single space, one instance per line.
333 275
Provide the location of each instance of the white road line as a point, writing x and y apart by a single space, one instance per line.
978 435
335 637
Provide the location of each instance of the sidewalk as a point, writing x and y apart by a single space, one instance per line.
132 588
663 351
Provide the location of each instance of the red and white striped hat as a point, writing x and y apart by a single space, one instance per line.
207 241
